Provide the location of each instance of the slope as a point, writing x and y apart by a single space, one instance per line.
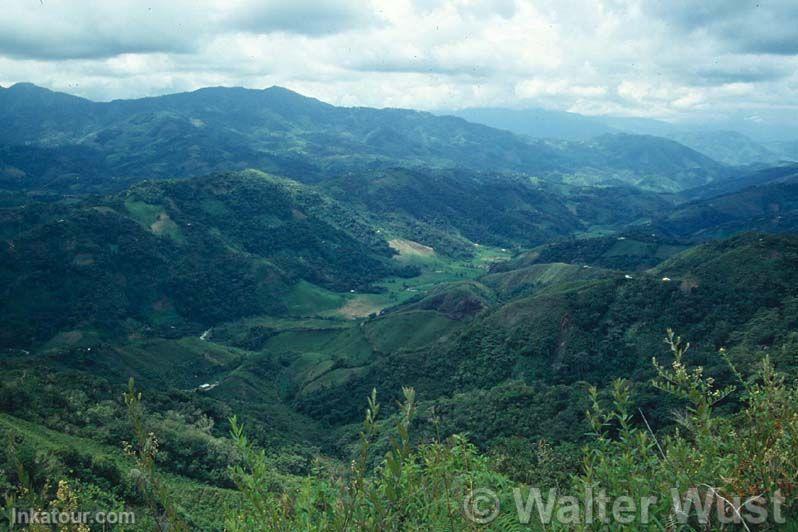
178 255
282 132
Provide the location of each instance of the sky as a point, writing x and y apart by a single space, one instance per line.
678 60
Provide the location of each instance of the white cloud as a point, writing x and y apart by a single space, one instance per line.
605 56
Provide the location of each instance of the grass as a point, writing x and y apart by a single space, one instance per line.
409 248
307 299
154 218
408 330
435 271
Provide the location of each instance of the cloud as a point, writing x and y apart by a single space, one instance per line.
676 60
301 17
87 29
753 27
60 29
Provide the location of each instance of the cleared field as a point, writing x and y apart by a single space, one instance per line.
410 248
154 218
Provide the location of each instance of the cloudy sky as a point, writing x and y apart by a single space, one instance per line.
674 59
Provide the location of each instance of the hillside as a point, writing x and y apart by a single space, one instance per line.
648 162
493 210
783 173
282 132
633 250
560 324
768 207
729 147
179 254
518 343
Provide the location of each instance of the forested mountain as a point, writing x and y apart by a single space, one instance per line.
189 253
179 253
561 324
783 173
279 131
725 146
768 207
728 147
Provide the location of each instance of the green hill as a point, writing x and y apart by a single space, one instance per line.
563 324
771 207
630 250
279 131
179 255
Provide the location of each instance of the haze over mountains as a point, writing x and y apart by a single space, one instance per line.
726 146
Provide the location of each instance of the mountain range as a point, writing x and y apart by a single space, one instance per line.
724 145
278 131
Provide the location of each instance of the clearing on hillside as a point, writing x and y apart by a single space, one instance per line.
408 248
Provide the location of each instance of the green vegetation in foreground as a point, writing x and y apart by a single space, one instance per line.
445 483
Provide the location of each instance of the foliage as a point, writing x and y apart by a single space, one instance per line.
731 463
412 488
144 451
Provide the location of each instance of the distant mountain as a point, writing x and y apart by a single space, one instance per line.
727 147
785 149
228 128
648 162
737 142
538 123
640 126
279 131
784 173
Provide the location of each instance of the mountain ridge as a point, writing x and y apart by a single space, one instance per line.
283 132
